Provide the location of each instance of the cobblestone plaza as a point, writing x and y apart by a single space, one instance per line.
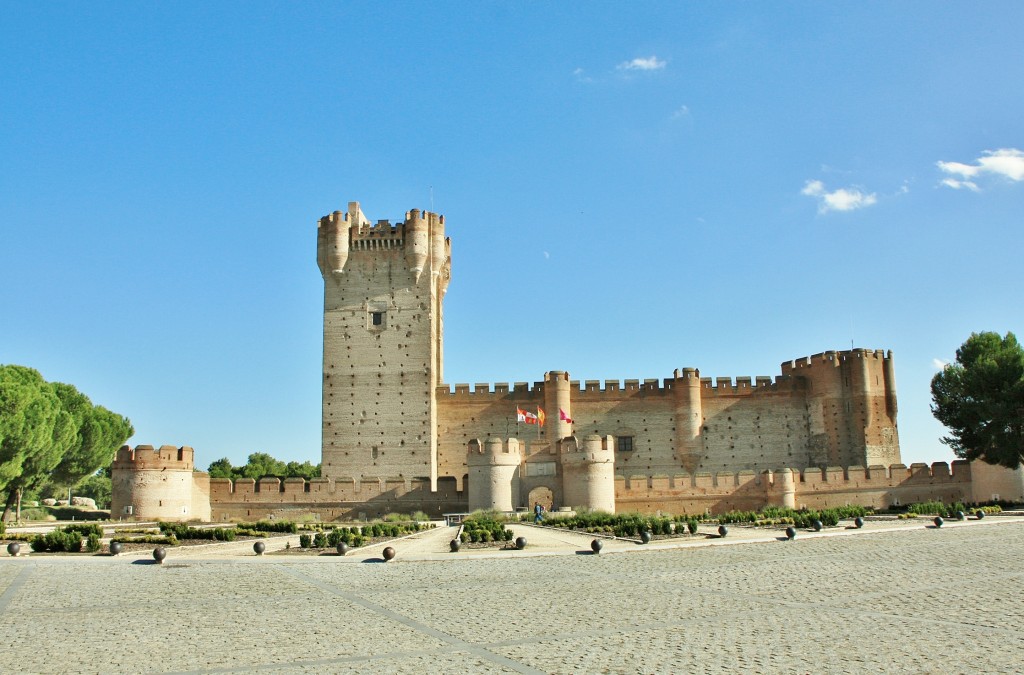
910 599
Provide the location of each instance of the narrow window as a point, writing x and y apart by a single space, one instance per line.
377 318
624 443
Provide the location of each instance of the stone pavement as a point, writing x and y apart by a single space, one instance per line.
894 598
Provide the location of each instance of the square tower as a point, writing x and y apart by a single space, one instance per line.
384 287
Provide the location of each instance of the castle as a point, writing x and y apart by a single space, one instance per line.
397 439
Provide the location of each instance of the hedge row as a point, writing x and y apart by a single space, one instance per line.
67 539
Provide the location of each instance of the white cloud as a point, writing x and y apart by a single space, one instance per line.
680 112
939 364
1005 162
547 255
581 75
842 199
651 63
959 184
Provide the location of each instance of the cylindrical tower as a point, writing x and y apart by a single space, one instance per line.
588 473
557 398
148 484
417 242
335 242
689 418
494 474
785 487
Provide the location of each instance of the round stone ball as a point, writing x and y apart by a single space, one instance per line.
14 548
960 515
938 521
596 545
520 543
858 522
645 537
341 548
115 548
817 526
455 545
259 547
389 554
159 553
722 530
979 514
791 533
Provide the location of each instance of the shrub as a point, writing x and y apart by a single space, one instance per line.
170 540
305 540
92 543
319 540
38 544
285 526
691 525
84 529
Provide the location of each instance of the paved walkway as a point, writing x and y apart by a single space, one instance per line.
895 597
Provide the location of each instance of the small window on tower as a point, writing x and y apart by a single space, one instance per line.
624 443
377 318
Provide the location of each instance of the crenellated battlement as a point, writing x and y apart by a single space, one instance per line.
834 359
495 451
146 457
587 390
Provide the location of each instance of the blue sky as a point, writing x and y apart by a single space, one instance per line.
629 189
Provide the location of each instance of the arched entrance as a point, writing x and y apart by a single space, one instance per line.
542 496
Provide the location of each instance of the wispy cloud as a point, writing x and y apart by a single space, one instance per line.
581 75
681 112
1005 162
842 199
650 63
939 364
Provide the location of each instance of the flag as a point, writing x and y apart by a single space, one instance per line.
565 418
524 416
540 417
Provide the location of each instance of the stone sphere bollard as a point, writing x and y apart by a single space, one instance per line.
938 521
979 514
645 537
159 553
13 549
858 522
259 547
817 525
455 545
389 554
520 543
722 530
115 548
341 548
791 533
960 515
596 545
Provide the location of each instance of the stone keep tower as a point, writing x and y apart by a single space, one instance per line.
383 291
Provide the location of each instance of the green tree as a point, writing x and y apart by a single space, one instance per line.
980 399
221 468
50 432
261 464
305 470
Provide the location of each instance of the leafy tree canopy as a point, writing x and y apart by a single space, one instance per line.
259 465
980 399
51 432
